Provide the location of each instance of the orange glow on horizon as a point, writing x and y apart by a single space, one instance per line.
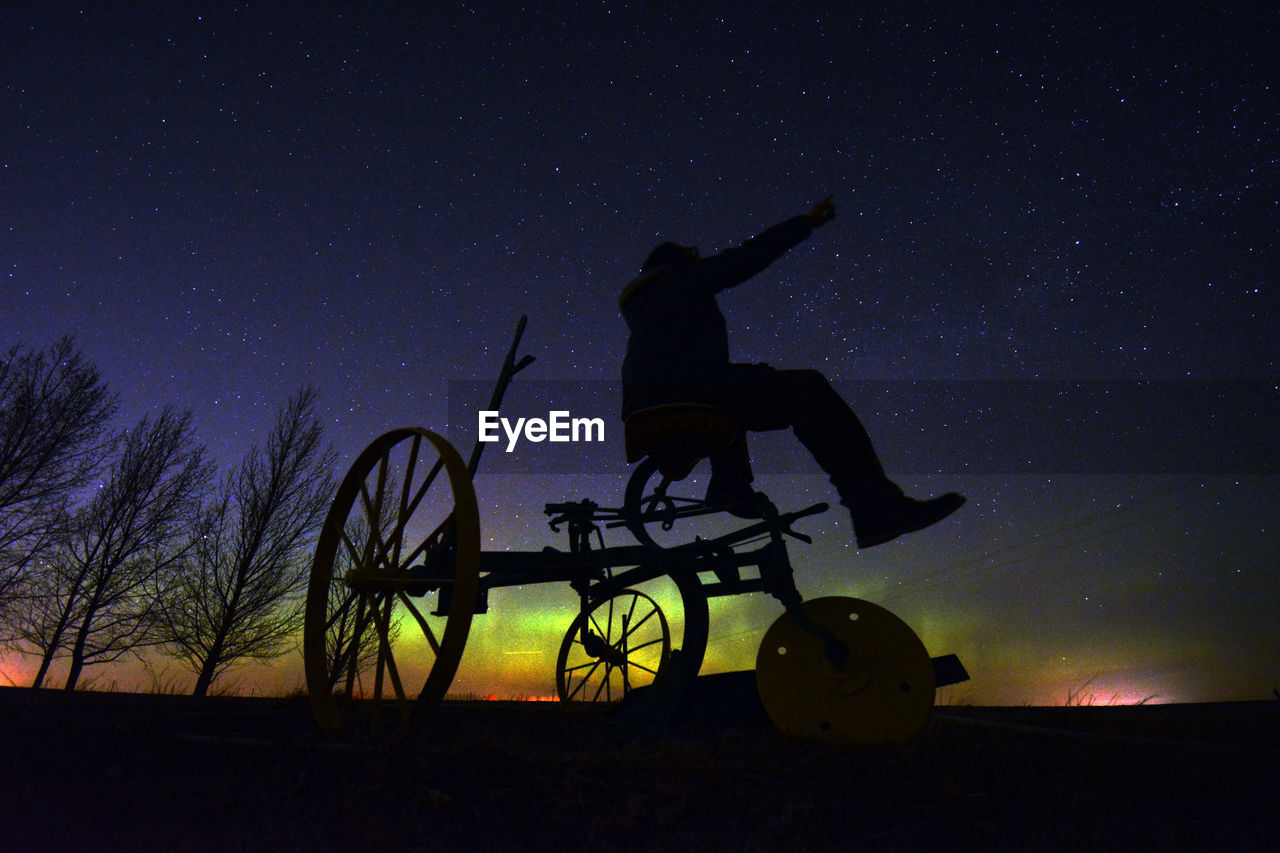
15 671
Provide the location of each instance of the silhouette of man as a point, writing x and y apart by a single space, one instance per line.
678 351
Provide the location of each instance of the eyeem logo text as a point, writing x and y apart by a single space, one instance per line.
558 426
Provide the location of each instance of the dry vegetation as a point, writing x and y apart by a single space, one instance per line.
113 771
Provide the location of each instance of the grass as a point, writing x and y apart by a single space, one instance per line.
132 772
1083 697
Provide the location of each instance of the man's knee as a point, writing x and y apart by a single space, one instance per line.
807 382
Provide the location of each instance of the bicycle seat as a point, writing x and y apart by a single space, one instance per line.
678 435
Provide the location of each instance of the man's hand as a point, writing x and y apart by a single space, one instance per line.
822 213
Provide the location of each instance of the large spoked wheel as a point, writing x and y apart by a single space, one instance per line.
626 645
882 692
393 586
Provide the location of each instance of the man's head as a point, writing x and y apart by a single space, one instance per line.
670 254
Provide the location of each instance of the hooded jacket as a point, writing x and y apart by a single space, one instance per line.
679 344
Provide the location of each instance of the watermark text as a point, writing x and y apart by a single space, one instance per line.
558 426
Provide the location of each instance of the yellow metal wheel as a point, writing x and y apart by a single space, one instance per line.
393 585
883 692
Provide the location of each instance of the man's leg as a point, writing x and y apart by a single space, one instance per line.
731 478
763 398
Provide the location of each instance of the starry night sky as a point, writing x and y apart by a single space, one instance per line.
223 202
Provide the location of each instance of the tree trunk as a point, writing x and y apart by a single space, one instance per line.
208 670
77 665
46 659
45 663
77 652
203 680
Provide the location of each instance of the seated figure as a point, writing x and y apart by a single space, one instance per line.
678 352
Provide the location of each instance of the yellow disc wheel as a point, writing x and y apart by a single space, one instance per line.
393 585
882 693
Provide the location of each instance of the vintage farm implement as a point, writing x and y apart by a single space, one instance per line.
399 573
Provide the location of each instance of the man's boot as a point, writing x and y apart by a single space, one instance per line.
875 523
881 512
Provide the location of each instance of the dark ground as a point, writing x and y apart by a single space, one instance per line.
91 771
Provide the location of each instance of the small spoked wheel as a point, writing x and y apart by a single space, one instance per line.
625 645
639 508
651 514
393 586
882 692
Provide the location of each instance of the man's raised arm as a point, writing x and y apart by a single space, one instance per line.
734 266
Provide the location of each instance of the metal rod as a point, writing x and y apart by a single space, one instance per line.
510 367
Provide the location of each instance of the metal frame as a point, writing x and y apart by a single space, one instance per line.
370 576
597 572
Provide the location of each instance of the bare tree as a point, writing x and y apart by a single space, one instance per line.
242 598
351 641
54 408
92 597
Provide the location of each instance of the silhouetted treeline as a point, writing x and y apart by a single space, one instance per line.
116 542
